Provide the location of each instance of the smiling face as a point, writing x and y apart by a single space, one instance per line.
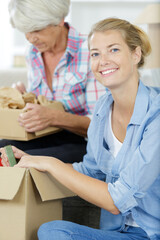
112 62
46 39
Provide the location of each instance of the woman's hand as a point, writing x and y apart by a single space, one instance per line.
17 153
37 117
19 86
40 163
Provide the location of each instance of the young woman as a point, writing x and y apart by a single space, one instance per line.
121 171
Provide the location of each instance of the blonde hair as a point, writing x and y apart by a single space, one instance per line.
133 35
32 15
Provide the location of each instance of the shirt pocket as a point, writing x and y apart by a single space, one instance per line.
74 84
74 92
73 78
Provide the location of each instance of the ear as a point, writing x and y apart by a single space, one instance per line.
137 55
61 24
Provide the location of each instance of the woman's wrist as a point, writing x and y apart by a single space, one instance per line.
56 117
51 164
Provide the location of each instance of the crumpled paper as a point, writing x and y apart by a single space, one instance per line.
12 98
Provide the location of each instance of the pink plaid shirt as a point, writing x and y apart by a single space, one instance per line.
73 82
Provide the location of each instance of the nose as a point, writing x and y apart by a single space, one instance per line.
104 60
31 37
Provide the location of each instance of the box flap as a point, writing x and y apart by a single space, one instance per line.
49 188
150 15
10 181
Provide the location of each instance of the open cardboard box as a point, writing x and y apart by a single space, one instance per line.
28 198
10 128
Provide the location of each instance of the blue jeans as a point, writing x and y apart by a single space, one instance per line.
64 230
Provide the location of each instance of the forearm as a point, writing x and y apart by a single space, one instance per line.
72 122
39 117
90 189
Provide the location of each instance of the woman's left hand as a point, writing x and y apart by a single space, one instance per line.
17 153
40 163
36 117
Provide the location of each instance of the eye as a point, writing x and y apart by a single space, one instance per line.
114 50
94 54
37 31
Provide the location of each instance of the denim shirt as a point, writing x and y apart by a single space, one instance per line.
133 177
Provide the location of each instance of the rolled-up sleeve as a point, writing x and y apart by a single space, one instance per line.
123 196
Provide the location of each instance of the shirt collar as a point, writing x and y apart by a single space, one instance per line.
107 100
74 40
140 107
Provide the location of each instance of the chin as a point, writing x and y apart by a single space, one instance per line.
42 50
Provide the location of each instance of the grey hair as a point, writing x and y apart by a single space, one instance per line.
33 15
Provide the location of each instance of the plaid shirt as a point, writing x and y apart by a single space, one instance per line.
73 82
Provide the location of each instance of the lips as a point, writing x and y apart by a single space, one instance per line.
39 45
106 72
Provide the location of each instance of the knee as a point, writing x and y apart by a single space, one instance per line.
54 230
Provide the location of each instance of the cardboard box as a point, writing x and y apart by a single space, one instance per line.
10 128
151 16
28 198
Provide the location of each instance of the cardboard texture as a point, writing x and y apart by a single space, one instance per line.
151 16
28 198
10 128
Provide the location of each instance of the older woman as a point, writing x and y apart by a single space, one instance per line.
120 172
58 67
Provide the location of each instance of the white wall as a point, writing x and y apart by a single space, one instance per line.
11 41
82 15
85 13
6 44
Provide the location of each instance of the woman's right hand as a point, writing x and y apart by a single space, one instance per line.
17 153
19 86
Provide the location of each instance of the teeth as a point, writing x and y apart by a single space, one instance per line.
108 71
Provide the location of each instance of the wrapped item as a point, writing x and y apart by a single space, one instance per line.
42 100
29 97
11 98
